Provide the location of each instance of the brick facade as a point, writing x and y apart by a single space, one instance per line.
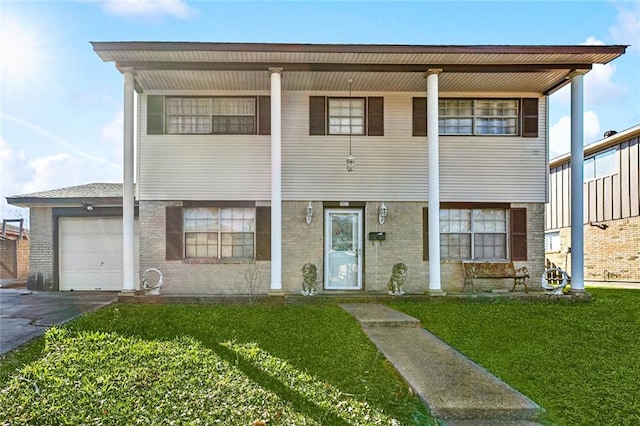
611 254
41 258
304 243
183 277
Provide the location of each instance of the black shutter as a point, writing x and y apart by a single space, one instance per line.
155 114
419 116
264 115
518 235
174 237
375 114
317 117
425 233
263 233
530 118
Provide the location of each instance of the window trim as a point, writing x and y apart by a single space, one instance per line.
547 236
373 120
219 235
613 151
174 234
351 116
526 119
475 117
517 232
157 115
472 233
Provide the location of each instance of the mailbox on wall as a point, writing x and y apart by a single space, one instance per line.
377 236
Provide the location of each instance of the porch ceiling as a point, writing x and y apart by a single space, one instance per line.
237 66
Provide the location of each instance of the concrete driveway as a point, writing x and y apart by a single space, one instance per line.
26 314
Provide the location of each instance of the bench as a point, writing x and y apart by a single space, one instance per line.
474 269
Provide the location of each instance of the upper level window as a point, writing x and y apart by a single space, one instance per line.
346 116
218 115
601 165
478 116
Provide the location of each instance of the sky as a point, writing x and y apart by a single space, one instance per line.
61 107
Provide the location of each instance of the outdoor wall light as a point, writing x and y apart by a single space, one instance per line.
88 207
351 162
382 213
309 212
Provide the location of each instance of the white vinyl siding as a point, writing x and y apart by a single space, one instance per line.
392 167
202 167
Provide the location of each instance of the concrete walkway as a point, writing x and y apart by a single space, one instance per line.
456 390
27 314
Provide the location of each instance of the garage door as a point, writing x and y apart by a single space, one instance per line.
90 254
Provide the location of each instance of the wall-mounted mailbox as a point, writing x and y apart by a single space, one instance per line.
377 236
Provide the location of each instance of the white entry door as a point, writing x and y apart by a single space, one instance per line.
343 249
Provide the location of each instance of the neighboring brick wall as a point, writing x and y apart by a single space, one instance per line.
609 254
181 277
13 262
41 257
23 259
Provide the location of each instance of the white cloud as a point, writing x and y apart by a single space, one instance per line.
599 86
23 175
560 133
150 8
626 30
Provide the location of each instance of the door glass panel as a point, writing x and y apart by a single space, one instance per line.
343 243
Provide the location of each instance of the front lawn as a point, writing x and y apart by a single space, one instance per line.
580 361
192 364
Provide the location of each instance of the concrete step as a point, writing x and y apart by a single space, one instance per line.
456 390
376 315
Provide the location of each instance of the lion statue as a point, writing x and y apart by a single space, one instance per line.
398 276
309 278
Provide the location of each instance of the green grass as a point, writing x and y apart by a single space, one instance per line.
311 363
580 361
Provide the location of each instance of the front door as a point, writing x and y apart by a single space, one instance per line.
343 249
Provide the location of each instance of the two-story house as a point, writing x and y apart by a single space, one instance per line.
257 158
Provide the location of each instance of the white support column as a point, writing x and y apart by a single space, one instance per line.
276 180
577 179
128 242
433 143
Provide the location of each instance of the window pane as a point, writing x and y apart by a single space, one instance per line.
188 115
234 106
346 116
237 245
201 245
455 246
490 220
552 241
455 220
490 246
234 125
606 164
589 169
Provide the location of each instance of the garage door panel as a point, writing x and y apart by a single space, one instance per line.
90 253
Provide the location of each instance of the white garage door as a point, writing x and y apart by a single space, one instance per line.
90 254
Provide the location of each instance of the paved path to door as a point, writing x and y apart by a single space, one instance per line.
27 314
456 390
